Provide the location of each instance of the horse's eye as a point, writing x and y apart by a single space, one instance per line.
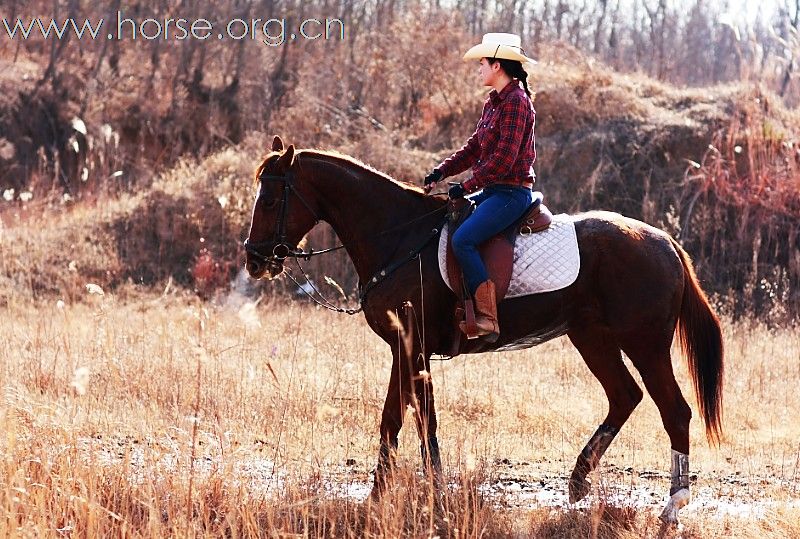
266 201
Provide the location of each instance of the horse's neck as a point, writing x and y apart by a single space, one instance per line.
359 205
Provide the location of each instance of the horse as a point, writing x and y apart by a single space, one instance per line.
636 288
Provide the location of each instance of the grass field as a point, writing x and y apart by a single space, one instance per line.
166 416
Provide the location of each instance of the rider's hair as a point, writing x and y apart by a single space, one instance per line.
513 68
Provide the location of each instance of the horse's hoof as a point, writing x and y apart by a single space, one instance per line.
578 489
678 500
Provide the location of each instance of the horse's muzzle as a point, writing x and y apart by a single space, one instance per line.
258 268
257 263
255 268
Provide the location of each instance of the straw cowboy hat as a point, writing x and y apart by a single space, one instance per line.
499 45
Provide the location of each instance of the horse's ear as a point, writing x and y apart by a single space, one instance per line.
277 144
285 161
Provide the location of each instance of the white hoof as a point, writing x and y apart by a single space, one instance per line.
676 502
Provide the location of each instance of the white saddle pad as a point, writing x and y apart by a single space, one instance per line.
543 262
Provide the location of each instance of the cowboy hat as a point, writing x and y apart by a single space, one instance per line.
499 45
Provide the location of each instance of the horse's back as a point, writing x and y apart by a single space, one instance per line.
630 267
624 237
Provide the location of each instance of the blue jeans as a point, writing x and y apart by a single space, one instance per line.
498 207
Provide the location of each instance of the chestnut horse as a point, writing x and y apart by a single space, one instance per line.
635 287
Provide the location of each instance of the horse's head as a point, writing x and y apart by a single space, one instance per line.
281 214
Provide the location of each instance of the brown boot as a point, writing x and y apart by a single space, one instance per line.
485 312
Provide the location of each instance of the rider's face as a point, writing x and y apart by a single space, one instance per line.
488 72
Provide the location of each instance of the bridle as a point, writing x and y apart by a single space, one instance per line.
278 245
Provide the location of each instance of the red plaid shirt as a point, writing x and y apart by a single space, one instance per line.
502 147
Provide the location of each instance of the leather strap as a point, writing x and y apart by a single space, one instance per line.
469 319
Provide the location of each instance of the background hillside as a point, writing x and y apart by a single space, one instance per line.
129 163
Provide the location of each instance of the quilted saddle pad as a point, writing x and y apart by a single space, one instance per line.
543 262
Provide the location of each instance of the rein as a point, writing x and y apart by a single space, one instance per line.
281 250
372 283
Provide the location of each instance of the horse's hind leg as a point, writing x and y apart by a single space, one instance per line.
650 355
602 356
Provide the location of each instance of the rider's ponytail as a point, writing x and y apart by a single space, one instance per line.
514 69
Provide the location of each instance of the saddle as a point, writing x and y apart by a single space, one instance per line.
497 252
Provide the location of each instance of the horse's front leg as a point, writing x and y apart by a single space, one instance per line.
391 422
409 385
425 416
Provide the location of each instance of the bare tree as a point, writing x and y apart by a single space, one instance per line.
599 29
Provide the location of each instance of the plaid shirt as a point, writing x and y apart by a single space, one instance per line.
502 147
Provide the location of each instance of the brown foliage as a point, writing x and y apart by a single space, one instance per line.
604 140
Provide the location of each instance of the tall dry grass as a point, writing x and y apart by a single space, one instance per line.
166 416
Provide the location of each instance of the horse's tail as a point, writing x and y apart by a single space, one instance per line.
701 339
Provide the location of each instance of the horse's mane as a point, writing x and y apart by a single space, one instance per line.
354 162
349 163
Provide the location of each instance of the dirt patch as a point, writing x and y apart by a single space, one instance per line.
508 485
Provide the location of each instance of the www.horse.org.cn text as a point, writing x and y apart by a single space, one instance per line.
272 32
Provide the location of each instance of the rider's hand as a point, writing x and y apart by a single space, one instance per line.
456 191
430 180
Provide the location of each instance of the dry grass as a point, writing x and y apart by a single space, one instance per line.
166 416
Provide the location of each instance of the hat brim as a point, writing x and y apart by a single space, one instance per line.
485 50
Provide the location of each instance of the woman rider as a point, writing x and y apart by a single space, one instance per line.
501 154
